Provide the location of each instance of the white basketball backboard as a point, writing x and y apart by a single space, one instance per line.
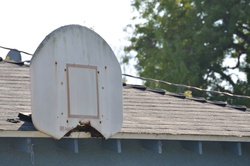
75 78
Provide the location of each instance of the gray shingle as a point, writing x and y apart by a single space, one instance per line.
145 112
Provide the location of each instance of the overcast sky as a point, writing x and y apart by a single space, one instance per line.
24 24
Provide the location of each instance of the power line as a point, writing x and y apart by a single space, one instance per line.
187 86
162 82
16 50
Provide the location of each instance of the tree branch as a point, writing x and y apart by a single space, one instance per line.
244 27
239 48
243 36
238 62
224 76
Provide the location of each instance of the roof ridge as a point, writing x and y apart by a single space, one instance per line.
182 96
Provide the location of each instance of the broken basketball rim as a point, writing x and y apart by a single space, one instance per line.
75 80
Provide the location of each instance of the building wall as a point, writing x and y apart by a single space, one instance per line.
97 152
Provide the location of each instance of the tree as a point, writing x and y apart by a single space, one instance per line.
189 41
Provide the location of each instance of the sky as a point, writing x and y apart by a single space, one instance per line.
24 24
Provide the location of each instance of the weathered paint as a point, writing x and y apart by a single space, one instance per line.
75 78
92 152
38 134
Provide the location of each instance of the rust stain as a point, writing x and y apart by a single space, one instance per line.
86 127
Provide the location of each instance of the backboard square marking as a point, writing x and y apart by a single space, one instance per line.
82 91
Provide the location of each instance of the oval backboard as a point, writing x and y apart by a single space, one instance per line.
75 79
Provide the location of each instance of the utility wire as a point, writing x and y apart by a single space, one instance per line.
162 82
188 87
16 50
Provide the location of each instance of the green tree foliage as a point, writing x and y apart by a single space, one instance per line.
187 42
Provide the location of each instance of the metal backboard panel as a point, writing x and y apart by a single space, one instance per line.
75 78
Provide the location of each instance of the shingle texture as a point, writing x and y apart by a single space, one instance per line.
145 112
14 95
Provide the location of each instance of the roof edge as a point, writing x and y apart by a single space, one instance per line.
38 134
181 137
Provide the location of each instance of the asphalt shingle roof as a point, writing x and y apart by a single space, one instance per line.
145 112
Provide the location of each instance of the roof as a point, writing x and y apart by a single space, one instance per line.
147 114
